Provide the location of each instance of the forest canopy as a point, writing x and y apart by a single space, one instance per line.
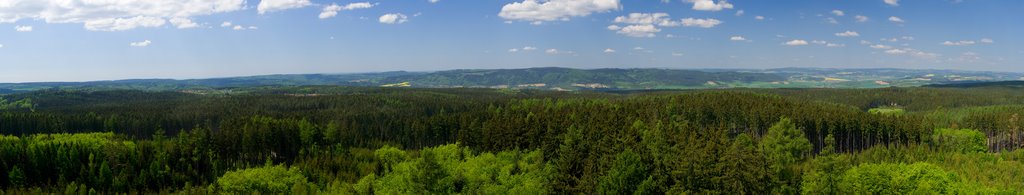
356 140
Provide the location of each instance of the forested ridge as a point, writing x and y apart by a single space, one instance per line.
368 140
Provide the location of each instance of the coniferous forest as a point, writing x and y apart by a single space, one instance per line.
370 140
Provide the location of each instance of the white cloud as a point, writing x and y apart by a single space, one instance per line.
104 14
1 45
892 2
677 54
880 46
267 6
958 43
896 51
740 13
896 19
393 18
513 50
329 11
987 41
796 42
225 24
759 17
641 30
551 51
433 1
838 12
239 27
831 20
737 38
835 45
848 34
860 18
183 23
358 5
614 27
819 42
552 10
660 19
140 43
333 9
20 28
912 52
609 50
703 23
710 5
120 24
528 48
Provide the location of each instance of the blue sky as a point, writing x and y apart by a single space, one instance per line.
80 40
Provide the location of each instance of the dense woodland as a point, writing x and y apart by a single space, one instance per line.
356 140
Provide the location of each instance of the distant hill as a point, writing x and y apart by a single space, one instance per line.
551 78
567 78
1011 84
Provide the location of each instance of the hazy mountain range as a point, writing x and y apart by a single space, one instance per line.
564 79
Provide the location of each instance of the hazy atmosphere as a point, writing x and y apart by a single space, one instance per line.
49 40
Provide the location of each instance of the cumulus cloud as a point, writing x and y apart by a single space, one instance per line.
912 53
183 23
240 27
958 43
848 34
641 30
835 45
860 18
737 38
393 18
537 11
880 46
609 50
556 52
267 6
740 13
647 24
987 41
529 48
660 19
513 50
896 19
225 24
120 24
710 5
796 42
333 9
140 43
330 11
892 2
831 20
20 28
104 15
703 23
433 1
759 17
838 12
